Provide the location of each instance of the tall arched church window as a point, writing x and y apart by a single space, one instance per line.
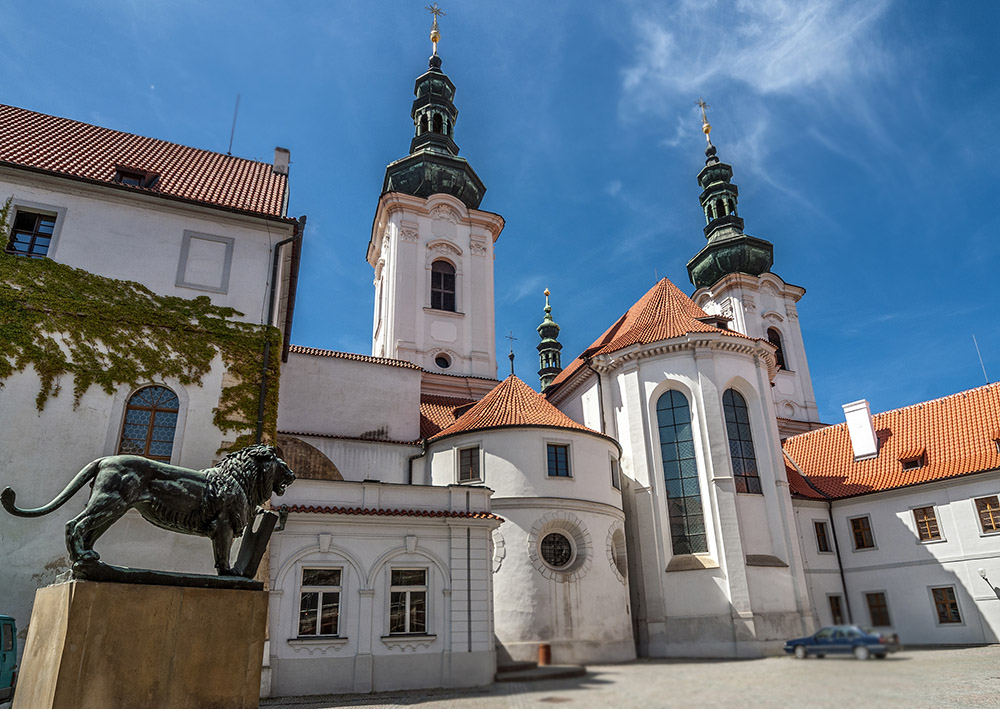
150 423
774 337
741 451
442 286
680 473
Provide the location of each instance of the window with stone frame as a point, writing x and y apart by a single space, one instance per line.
774 337
31 233
878 609
558 460
616 478
946 605
150 423
408 602
837 609
822 536
861 530
680 473
927 524
319 602
468 465
988 509
741 451
442 286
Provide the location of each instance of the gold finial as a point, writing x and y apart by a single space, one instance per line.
706 127
435 32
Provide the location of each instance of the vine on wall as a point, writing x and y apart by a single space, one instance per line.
106 332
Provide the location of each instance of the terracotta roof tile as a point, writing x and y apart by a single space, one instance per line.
375 512
956 434
299 349
664 312
439 412
81 150
511 403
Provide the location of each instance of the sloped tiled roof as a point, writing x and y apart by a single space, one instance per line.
299 349
664 312
80 150
511 403
956 434
439 412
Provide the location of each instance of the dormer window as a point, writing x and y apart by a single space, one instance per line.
914 462
135 178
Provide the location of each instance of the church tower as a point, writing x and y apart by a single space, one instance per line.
733 278
549 348
432 248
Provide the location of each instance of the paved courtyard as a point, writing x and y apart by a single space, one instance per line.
967 677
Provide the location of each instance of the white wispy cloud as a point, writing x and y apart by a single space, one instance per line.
527 285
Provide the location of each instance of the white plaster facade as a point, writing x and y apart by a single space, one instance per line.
756 304
409 234
454 648
581 609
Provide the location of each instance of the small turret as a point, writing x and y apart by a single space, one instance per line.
549 348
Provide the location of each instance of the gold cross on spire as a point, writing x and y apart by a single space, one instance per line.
706 127
435 32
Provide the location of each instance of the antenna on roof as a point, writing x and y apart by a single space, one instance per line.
233 131
986 376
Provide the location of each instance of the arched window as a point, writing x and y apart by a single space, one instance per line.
734 406
150 421
442 286
774 337
437 123
680 473
720 208
423 124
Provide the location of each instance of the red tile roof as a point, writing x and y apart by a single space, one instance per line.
80 150
439 412
364 439
298 349
371 511
664 312
956 435
511 403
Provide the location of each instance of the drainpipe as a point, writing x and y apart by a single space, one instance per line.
409 461
275 261
833 531
600 394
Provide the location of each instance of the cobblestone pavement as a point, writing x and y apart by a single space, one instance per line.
968 677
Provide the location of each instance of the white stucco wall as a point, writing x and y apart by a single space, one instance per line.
457 648
370 460
343 397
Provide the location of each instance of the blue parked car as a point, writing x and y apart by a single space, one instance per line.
843 639
8 657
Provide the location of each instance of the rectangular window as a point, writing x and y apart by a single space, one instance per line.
946 604
31 234
558 459
408 602
927 525
989 514
616 480
822 539
468 465
878 609
837 610
861 528
319 602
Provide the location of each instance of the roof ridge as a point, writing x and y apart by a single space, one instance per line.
321 352
134 135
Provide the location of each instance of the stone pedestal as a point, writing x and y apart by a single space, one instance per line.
99 645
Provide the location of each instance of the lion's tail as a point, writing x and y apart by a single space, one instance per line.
81 479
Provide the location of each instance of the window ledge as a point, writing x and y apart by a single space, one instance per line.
408 642
321 644
559 477
691 562
925 542
765 560
990 534
447 313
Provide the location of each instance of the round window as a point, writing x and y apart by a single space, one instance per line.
557 550
442 361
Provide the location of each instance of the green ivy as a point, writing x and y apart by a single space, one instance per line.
106 332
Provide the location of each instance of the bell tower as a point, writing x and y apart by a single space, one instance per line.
732 273
432 247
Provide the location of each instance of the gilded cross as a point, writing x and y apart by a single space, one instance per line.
435 33
706 128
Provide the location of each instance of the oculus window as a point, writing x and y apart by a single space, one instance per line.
680 474
442 286
150 423
556 550
741 451
319 602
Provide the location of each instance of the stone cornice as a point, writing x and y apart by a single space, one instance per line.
748 282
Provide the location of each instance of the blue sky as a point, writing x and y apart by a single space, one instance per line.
862 136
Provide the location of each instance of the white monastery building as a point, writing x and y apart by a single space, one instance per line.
670 492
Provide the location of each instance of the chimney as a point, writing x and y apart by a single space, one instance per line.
281 158
859 425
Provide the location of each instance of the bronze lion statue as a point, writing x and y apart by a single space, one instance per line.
216 503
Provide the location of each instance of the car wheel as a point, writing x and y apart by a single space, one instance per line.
800 652
861 652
